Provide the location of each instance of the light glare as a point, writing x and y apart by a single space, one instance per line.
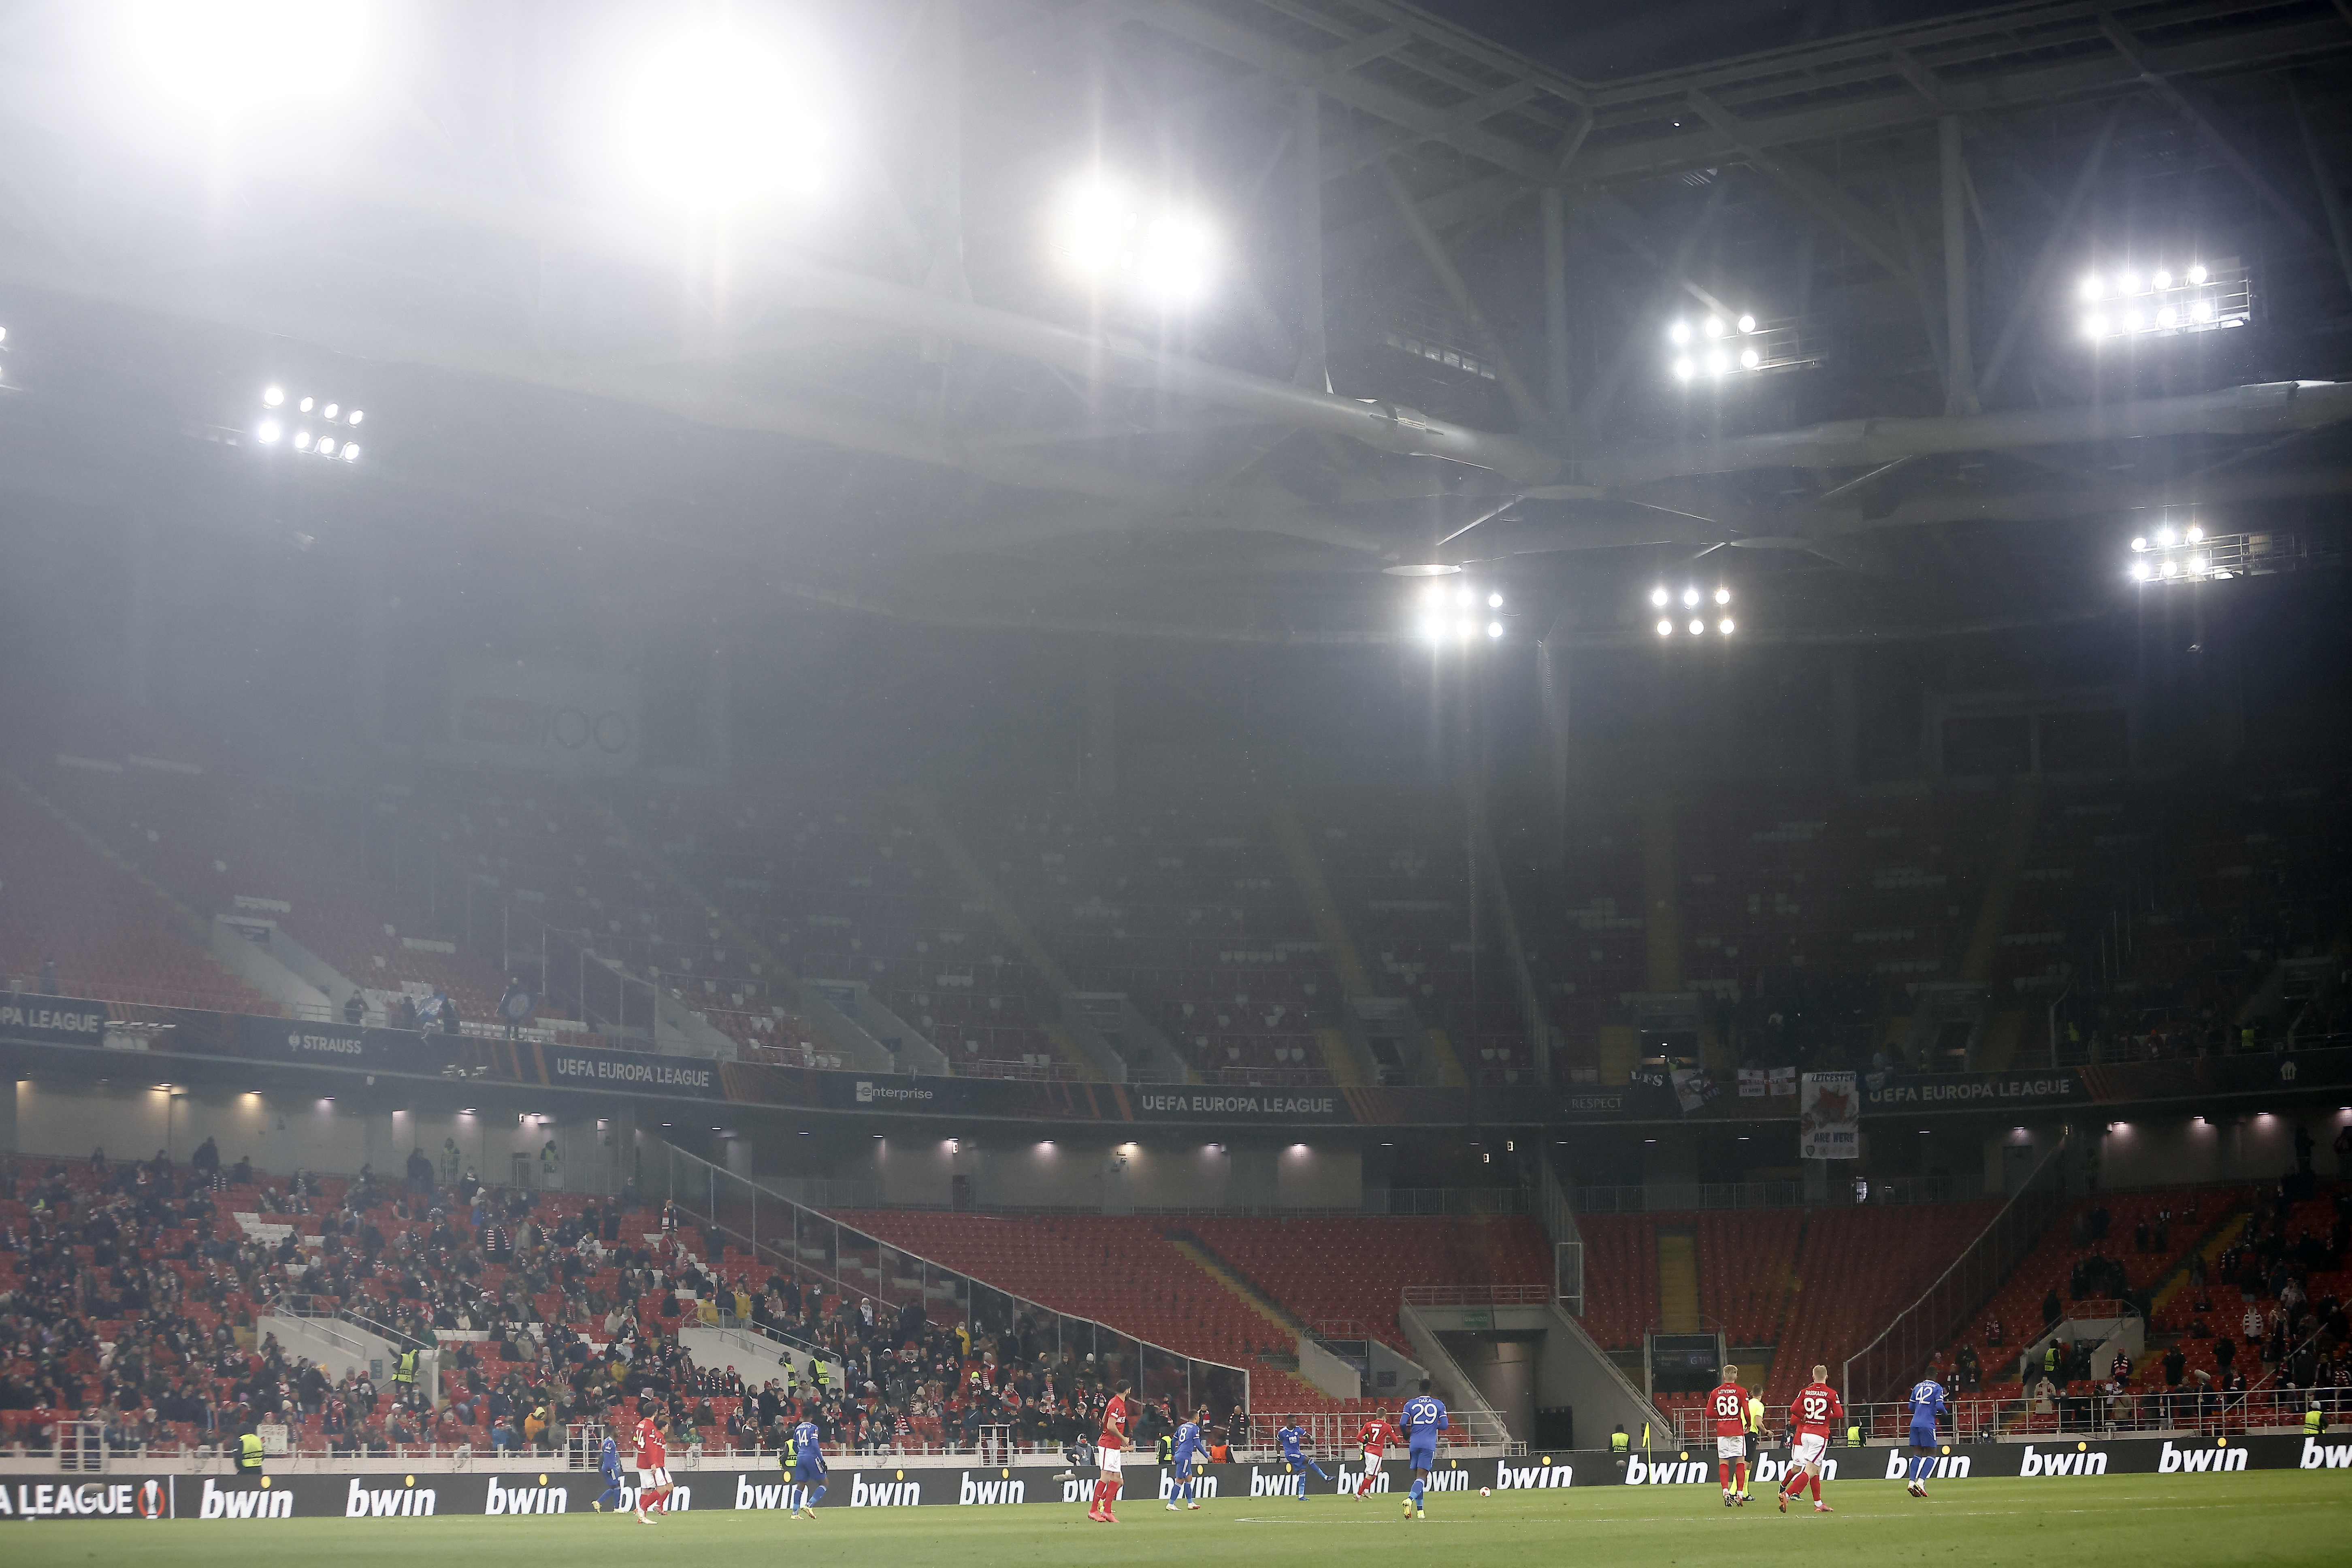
271 396
1679 332
301 440
1722 596
225 60
1697 627
1690 596
1684 369
1724 625
718 118
1665 628
1659 597
1746 324
269 432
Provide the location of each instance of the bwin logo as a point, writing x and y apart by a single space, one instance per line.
1350 1479
1531 1477
1948 1468
1448 1481
979 1493
2201 1461
777 1494
1203 1487
2316 1456
2079 1463
884 1494
1775 1471
1281 1483
410 1501
219 1504
524 1498
1667 1472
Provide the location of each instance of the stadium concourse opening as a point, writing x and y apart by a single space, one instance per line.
740 755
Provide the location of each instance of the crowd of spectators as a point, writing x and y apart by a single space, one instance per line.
135 1300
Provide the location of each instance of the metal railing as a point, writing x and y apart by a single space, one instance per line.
1476 1295
853 1265
1678 1197
1904 1347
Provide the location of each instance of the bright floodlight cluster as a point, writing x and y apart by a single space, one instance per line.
1108 240
718 117
1697 604
320 429
1716 345
1450 613
2183 552
2164 300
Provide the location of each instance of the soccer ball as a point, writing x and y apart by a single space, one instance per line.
1486 1491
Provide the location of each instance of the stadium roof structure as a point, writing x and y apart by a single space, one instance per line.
1436 332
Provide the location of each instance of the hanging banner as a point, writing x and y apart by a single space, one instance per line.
1829 1117
1693 1088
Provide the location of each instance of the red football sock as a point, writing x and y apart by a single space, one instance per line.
1366 1484
1112 1501
1723 1473
1817 1489
1102 1489
1739 1476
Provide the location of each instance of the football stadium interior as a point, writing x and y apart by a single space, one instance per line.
892 714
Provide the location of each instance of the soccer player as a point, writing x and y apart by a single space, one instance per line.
1109 1449
1189 1453
653 1466
609 1463
808 1469
1926 1404
1727 1406
1812 1413
1374 1440
1421 1419
1295 1459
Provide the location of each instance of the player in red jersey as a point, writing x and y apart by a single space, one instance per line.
1727 1407
653 1466
1374 1440
1812 1413
1109 1448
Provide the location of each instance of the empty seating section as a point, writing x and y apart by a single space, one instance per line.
1857 1268
1399 869
110 936
1748 1269
1120 1272
1347 1269
1188 913
1621 1278
1583 933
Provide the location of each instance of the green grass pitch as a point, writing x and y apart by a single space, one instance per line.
2120 1521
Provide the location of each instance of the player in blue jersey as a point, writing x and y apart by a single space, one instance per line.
1295 1460
1191 1453
1926 1406
1421 1420
609 1464
808 1469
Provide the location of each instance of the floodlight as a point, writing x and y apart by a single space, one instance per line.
2168 317
327 449
2139 571
2140 543
2203 311
1697 627
1690 596
1494 628
2162 280
1684 369
1434 594
356 415
1096 229
2093 288
1746 324
1724 625
719 117
1465 629
1714 326
2195 533
350 451
1494 601
1665 628
1679 331
1719 363
2198 565
329 411
2168 569
2196 273
301 440
1722 596
1749 359
271 396
236 59
1429 629
1659 597
2127 284
1462 595
2165 536
304 406
2094 325
269 432
2133 321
